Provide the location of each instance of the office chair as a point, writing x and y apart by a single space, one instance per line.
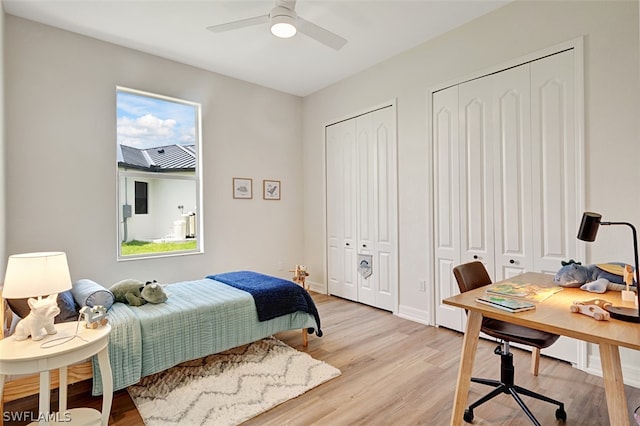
471 276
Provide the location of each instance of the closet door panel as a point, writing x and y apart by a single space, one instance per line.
341 241
386 185
334 170
365 204
476 175
447 211
554 159
446 172
366 179
349 214
384 262
385 207
512 173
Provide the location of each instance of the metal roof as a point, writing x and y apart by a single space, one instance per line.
168 158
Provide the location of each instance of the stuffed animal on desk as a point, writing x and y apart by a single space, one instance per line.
596 278
137 293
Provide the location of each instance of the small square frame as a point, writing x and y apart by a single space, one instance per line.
242 188
271 189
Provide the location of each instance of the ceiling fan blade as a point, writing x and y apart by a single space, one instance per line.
320 34
242 23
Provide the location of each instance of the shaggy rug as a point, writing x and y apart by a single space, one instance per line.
230 387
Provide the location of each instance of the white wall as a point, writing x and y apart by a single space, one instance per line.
611 115
2 144
61 157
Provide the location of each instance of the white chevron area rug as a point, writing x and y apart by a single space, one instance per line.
230 387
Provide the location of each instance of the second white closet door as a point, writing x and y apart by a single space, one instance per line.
511 159
495 172
476 173
554 156
505 174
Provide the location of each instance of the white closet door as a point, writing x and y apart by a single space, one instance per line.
341 209
513 218
385 208
516 180
555 181
476 173
447 202
554 160
362 207
365 141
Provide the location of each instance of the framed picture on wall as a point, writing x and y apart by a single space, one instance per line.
271 189
242 188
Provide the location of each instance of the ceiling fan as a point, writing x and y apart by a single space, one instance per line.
284 23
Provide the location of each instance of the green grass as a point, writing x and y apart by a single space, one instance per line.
136 247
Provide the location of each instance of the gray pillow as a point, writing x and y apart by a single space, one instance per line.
89 293
66 303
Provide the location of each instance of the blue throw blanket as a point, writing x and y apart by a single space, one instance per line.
273 296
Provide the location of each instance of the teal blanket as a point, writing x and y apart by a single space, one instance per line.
200 318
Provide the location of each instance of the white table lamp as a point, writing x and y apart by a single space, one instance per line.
34 275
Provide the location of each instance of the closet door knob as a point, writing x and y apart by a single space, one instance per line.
475 256
511 261
364 246
347 244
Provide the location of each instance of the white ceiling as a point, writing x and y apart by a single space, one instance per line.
176 29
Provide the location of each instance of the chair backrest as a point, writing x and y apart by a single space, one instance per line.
471 276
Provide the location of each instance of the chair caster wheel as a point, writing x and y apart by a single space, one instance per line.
468 415
561 414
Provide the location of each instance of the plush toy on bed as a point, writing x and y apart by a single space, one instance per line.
137 293
596 278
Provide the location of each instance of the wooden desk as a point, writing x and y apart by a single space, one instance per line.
552 315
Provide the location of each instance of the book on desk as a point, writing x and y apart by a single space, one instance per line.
523 291
506 304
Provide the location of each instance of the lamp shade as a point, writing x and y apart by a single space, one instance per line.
589 226
36 274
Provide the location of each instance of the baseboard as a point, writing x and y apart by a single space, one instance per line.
413 314
630 372
317 287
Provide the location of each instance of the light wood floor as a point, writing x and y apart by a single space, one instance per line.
397 372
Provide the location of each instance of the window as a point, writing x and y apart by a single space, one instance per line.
141 197
158 164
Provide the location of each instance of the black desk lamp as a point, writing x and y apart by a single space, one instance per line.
587 232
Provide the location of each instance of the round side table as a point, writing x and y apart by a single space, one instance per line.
28 357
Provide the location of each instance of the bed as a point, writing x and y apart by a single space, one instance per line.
200 318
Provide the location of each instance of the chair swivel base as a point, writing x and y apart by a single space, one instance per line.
506 385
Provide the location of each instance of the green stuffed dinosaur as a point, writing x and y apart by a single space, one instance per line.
137 293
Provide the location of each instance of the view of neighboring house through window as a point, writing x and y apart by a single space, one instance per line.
141 198
158 145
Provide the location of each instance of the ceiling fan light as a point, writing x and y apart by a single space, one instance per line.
283 26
